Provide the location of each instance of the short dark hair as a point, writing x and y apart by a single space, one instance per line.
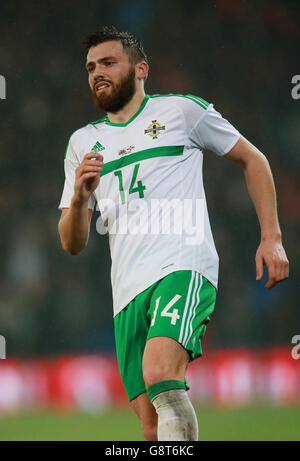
131 44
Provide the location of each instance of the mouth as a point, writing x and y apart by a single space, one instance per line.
100 87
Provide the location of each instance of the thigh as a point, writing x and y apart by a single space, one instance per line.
164 359
180 308
130 337
131 330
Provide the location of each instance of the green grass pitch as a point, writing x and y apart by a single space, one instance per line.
251 423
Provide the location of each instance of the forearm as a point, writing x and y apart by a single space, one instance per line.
261 188
74 227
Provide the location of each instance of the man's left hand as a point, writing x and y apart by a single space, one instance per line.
271 253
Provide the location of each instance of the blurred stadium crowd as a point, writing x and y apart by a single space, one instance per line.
241 56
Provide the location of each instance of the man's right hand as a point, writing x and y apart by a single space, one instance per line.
87 176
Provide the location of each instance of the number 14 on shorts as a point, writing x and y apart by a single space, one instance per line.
166 310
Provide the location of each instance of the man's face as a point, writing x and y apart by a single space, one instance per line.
111 76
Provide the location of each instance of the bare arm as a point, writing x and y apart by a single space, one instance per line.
74 227
261 188
74 224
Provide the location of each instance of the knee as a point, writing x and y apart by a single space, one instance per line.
157 372
164 359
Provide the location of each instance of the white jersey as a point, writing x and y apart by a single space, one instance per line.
151 196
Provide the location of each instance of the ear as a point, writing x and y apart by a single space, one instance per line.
142 69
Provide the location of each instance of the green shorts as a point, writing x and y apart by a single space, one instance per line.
177 306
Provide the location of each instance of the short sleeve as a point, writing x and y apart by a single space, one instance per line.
71 162
214 132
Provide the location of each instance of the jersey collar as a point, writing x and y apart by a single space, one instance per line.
145 100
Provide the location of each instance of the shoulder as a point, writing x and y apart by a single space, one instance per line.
190 108
79 137
184 102
85 131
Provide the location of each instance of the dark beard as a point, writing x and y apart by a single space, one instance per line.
120 95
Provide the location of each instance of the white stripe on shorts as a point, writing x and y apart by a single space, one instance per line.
186 306
185 341
190 306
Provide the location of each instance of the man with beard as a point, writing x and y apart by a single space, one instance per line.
144 150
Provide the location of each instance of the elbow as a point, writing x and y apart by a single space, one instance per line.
259 160
71 250
72 246
68 248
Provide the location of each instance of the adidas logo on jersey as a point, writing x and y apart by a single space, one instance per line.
97 147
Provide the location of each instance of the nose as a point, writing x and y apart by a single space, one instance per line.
98 73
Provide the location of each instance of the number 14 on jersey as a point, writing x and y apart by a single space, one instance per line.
135 186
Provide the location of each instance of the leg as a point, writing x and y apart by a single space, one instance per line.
149 333
131 329
164 358
164 366
154 348
147 415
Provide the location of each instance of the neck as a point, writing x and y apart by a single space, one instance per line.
131 108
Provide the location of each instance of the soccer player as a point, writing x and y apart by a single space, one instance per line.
142 164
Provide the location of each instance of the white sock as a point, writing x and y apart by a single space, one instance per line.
177 419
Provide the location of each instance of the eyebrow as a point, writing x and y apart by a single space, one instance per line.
88 64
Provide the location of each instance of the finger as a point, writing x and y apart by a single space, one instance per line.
93 155
284 272
287 268
86 176
92 162
272 279
281 269
259 267
271 283
90 168
278 272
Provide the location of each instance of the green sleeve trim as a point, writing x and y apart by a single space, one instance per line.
200 101
67 149
100 120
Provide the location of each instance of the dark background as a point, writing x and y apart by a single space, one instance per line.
240 55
